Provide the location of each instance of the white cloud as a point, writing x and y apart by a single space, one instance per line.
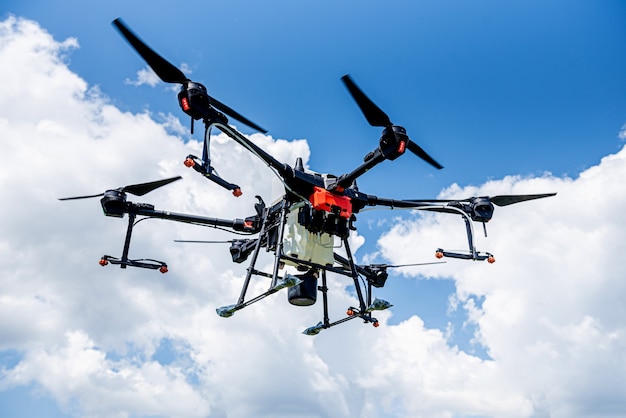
144 76
551 316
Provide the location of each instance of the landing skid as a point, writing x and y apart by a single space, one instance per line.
472 253
146 263
476 256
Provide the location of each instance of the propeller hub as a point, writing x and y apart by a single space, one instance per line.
394 129
393 142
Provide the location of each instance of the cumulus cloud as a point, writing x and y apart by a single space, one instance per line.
551 315
548 313
144 76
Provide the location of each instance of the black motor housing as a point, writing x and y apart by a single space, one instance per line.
114 203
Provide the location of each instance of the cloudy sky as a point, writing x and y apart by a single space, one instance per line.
527 98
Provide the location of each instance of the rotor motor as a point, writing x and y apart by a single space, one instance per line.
114 203
393 142
481 209
194 100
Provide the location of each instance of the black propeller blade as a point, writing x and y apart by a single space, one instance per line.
171 74
134 189
235 115
376 117
501 200
163 68
505 200
417 150
144 188
82 197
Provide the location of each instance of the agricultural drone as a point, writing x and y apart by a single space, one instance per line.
315 214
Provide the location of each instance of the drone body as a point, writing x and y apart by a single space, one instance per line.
315 213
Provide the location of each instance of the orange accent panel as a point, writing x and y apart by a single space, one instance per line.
322 199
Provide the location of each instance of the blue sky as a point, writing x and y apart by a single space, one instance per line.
486 87
515 97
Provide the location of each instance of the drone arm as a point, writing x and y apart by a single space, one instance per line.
374 158
282 168
361 200
250 224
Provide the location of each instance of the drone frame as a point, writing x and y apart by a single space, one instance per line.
328 204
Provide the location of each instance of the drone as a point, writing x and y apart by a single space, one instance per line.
315 215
